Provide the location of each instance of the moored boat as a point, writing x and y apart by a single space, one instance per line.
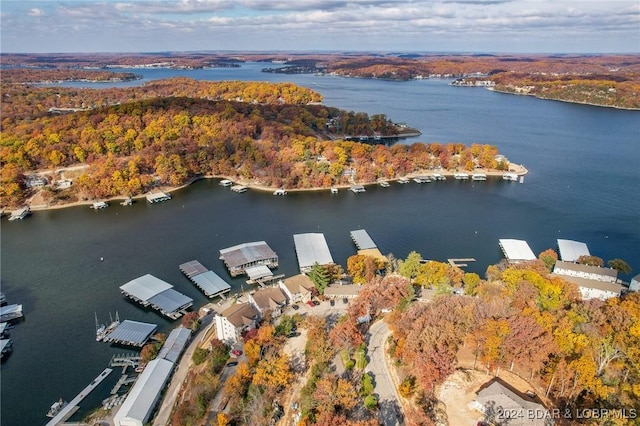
510 176
56 407
97 205
479 176
279 192
461 176
9 312
20 213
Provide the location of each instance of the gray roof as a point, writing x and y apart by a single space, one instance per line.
145 287
516 250
246 253
342 290
571 250
133 332
498 396
259 271
311 248
587 269
145 392
362 239
158 293
211 283
170 301
175 344
594 284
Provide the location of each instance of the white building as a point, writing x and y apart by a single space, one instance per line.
236 319
585 271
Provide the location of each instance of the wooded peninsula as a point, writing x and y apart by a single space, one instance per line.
126 141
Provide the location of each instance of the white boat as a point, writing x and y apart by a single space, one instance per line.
225 182
9 312
6 346
103 331
56 407
478 176
403 181
239 189
510 176
334 190
20 213
357 189
279 192
384 184
127 202
437 176
97 205
461 176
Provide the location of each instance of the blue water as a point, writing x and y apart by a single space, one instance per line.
583 184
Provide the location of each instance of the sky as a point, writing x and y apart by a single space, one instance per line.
491 26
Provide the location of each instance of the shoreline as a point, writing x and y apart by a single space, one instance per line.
493 89
518 169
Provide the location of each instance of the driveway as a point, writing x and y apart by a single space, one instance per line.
390 413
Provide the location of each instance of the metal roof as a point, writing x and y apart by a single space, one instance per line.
144 394
145 287
257 272
133 332
193 268
211 283
362 239
516 250
170 300
311 248
246 253
175 344
571 250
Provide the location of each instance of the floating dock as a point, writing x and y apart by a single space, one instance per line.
158 197
461 262
209 282
20 214
365 245
150 291
10 312
356 189
239 189
242 256
516 250
131 333
72 407
225 182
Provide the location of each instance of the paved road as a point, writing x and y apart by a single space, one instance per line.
169 400
390 413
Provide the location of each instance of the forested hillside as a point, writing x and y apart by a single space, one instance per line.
168 132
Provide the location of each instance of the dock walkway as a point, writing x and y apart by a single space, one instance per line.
72 407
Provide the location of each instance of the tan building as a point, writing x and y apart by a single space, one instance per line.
297 289
271 299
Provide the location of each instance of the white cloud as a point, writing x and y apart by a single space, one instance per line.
36 12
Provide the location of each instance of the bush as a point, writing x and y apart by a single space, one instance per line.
371 402
199 356
407 387
361 359
350 364
367 385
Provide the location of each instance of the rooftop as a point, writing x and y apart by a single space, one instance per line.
299 284
258 272
516 250
246 253
571 250
311 248
498 394
269 298
587 269
150 290
362 239
240 314
131 333
175 344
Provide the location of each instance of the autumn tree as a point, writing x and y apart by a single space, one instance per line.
191 320
549 257
273 372
591 260
409 267
619 265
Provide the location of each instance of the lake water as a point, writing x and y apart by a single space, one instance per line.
583 184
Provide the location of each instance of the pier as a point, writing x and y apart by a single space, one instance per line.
460 263
158 197
210 283
72 407
131 333
365 245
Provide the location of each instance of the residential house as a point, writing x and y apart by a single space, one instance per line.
271 299
297 289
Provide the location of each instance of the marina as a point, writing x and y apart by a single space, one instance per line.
242 256
210 283
130 333
20 214
159 295
158 197
67 411
102 330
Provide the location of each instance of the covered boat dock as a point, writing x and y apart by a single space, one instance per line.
152 292
366 246
570 251
131 333
516 250
311 248
209 282
238 258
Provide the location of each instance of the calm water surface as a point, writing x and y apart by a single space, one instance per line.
583 184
